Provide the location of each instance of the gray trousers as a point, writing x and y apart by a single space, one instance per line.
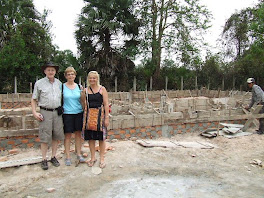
261 120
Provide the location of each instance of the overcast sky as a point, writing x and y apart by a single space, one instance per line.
64 14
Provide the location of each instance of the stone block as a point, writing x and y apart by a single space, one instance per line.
170 118
143 120
204 114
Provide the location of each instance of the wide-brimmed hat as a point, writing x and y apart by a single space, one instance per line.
49 64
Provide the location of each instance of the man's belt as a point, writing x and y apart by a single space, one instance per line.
47 109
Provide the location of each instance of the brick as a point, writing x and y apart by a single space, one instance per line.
25 141
20 137
13 151
132 131
30 145
37 140
50 190
11 142
143 130
110 133
117 137
122 132
127 135
31 136
3 159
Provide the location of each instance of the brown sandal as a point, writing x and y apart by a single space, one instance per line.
91 162
102 165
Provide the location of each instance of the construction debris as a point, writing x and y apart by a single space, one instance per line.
256 162
50 190
175 144
227 130
96 170
14 163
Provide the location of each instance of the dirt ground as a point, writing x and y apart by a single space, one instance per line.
136 171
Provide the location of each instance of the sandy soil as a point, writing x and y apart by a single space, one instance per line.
135 171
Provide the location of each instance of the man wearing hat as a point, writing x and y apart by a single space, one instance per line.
257 98
47 95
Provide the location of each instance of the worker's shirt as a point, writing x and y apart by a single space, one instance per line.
257 95
48 94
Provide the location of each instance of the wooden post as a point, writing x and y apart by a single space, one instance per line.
234 83
15 90
223 84
181 82
166 83
150 84
135 84
196 82
80 80
30 87
115 84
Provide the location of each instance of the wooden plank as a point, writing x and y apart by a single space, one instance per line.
21 162
252 118
175 144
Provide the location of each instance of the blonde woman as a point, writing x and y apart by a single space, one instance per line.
73 114
96 96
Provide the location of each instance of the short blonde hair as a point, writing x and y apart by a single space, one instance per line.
94 73
69 69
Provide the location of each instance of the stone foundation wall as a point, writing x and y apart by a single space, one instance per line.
20 100
18 127
149 132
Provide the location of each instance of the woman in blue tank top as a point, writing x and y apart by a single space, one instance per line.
72 115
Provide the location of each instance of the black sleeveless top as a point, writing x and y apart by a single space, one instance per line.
95 100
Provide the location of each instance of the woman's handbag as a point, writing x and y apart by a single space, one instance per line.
60 108
93 117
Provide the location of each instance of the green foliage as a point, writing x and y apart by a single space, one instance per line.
174 75
211 73
66 59
257 26
168 28
107 38
24 43
236 33
244 36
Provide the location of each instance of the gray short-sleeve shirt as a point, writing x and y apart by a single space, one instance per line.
47 93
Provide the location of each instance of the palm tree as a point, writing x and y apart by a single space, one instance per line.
107 38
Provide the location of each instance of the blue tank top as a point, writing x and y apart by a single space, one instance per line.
71 100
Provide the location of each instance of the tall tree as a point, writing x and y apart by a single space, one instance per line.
243 38
173 28
106 38
236 33
24 42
